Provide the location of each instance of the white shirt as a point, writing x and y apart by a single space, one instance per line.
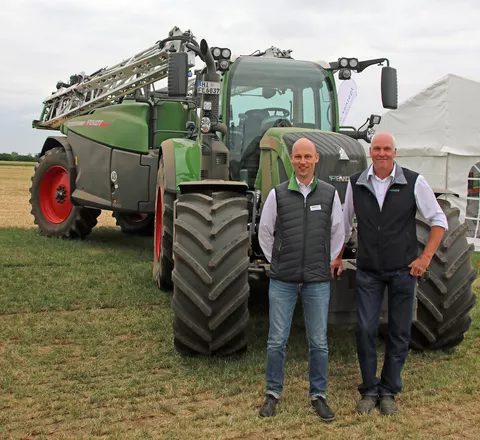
425 198
269 218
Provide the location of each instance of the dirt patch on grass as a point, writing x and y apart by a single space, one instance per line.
15 195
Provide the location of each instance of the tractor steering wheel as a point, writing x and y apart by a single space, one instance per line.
285 112
282 122
262 112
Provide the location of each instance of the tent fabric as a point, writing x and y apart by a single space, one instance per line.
437 134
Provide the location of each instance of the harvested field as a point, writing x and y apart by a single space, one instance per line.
14 197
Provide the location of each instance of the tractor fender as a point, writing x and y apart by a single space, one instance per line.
167 152
181 157
62 141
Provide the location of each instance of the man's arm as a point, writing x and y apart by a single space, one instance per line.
418 266
266 228
348 214
428 206
337 234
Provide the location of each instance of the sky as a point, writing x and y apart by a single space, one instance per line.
44 41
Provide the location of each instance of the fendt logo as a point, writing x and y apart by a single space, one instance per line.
89 123
338 178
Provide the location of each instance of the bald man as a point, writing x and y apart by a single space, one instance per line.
301 232
385 199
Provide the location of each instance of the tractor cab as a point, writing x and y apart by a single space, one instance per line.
266 92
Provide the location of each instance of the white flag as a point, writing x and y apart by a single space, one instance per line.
346 95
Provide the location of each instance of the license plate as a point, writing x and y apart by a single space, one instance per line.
208 88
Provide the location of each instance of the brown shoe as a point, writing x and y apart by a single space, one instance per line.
367 404
388 406
269 408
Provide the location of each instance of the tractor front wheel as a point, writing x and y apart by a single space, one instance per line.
210 277
52 209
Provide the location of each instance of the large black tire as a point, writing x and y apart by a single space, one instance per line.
446 297
163 232
210 295
134 224
52 209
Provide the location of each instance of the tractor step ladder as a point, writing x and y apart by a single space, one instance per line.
110 83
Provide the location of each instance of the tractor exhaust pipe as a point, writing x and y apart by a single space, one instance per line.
215 157
208 57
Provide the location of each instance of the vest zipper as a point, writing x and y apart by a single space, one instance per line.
304 235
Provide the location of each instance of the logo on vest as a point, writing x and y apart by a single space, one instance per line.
316 208
395 190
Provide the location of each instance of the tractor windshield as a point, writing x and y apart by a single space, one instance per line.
268 92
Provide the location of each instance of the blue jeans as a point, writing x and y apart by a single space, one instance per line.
370 292
283 297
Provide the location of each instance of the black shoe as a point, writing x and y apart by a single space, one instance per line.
388 406
367 404
269 408
322 410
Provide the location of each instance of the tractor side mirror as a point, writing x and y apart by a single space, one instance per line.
389 87
177 74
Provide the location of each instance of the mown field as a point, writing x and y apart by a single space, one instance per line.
14 196
86 351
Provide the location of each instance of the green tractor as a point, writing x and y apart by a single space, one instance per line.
198 159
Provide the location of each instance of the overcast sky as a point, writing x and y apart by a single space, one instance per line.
44 41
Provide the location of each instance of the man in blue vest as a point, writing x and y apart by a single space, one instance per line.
301 232
385 198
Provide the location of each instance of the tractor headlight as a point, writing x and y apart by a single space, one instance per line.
224 65
353 63
205 124
226 53
370 134
344 74
216 52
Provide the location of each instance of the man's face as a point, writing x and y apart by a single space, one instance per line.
383 152
304 157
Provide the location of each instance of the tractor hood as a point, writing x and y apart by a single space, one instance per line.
340 155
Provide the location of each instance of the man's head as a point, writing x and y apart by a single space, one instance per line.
383 152
304 157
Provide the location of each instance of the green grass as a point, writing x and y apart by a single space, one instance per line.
12 163
86 351
476 260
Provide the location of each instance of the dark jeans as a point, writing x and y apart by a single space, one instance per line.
370 291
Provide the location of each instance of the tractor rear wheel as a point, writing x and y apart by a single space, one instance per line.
210 277
52 209
134 224
163 232
445 298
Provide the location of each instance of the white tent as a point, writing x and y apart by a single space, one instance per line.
437 134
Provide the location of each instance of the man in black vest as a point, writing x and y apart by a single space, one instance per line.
385 199
301 232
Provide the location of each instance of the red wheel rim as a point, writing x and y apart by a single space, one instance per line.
158 224
55 194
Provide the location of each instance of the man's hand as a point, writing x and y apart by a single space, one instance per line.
336 265
419 266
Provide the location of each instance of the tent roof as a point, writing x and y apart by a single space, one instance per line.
444 118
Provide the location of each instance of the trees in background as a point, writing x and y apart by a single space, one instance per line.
14 156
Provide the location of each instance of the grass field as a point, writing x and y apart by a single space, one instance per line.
14 196
86 351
